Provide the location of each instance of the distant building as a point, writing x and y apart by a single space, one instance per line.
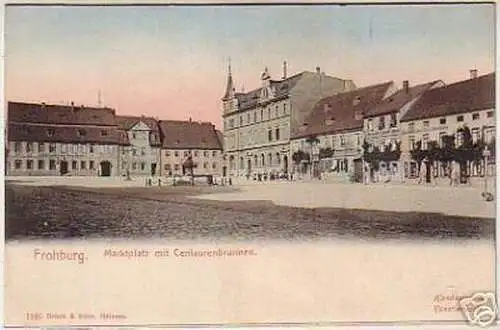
336 126
182 139
45 139
443 112
258 124
141 156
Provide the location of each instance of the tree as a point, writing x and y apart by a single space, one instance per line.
299 156
325 153
418 154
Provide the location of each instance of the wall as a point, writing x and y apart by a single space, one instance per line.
209 161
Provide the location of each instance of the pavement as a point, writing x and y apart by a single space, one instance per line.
459 201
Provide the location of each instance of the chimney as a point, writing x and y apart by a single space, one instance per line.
473 73
190 119
284 70
406 86
318 70
43 105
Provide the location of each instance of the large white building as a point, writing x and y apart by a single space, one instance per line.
258 124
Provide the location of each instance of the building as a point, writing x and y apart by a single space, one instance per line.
445 111
335 125
141 155
257 125
382 130
183 139
45 139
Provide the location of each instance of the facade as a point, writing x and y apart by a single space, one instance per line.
444 112
335 128
258 124
141 155
47 139
184 139
382 129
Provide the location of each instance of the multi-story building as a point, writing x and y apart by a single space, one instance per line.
183 139
258 124
443 112
141 156
48 139
335 125
382 128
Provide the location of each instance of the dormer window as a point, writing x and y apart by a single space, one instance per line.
356 101
104 133
327 107
81 132
330 121
50 132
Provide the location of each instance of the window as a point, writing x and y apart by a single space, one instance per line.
41 164
206 154
242 163
475 135
50 132
29 164
18 164
186 153
167 153
261 115
270 159
442 121
41 147
441 138
369 125
489 135
426 123
342 140
143 166
277 134
176 167
133 135
196 153
381 123
52 147
394 120
411 127
143 151
284 108
176 153
205 165
489 114
73 165
411 142
269 135
231 123
262 160
358 140
134 166
241 120
29 146
134 152
91 164
17 147
255 160
475 116
81 132
124 165
459 139
248 117
83 165
214 153
276 111
167 167
91 148
104 133
123 151
278 158
425 141
255 116
214 165
460 118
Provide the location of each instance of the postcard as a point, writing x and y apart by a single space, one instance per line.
241 165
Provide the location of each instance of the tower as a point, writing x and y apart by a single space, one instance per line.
228 98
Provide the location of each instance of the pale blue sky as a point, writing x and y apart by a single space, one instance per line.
171 61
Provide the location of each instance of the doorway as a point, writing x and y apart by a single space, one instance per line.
285 164
427 172
63 168
249 167
105 168
358 170
224 170
153 169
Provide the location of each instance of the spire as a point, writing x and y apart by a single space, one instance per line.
230 85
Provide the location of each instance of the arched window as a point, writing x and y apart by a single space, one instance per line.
262 160
270 159
256 160
242 163
278 158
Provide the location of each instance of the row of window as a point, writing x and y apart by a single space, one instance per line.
338 141
52 147
382 125
489 135
79 132
135 166
41 164
441 169
257 161
459 119
177 167
195 153
254 117
135 152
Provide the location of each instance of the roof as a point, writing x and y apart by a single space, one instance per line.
463 96
220 136
188 135
127 122
396 101
40 113
65 134
343 111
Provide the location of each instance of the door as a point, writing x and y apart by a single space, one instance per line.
153 169
358 170
427 172
63 168
285 164
224 170
249 167
105 168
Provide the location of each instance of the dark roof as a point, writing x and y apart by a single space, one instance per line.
65 134
188 135
343 111
40 113
396 101
460 97
220 136
127 122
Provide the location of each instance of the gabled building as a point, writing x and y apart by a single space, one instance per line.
45 139
444 112
258 124
183 139
335 125
382 128
141 155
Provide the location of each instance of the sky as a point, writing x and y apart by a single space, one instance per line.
171 61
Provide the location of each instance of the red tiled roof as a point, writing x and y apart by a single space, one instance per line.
395 102
188 135
59 114
343 111
460 97
65 134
